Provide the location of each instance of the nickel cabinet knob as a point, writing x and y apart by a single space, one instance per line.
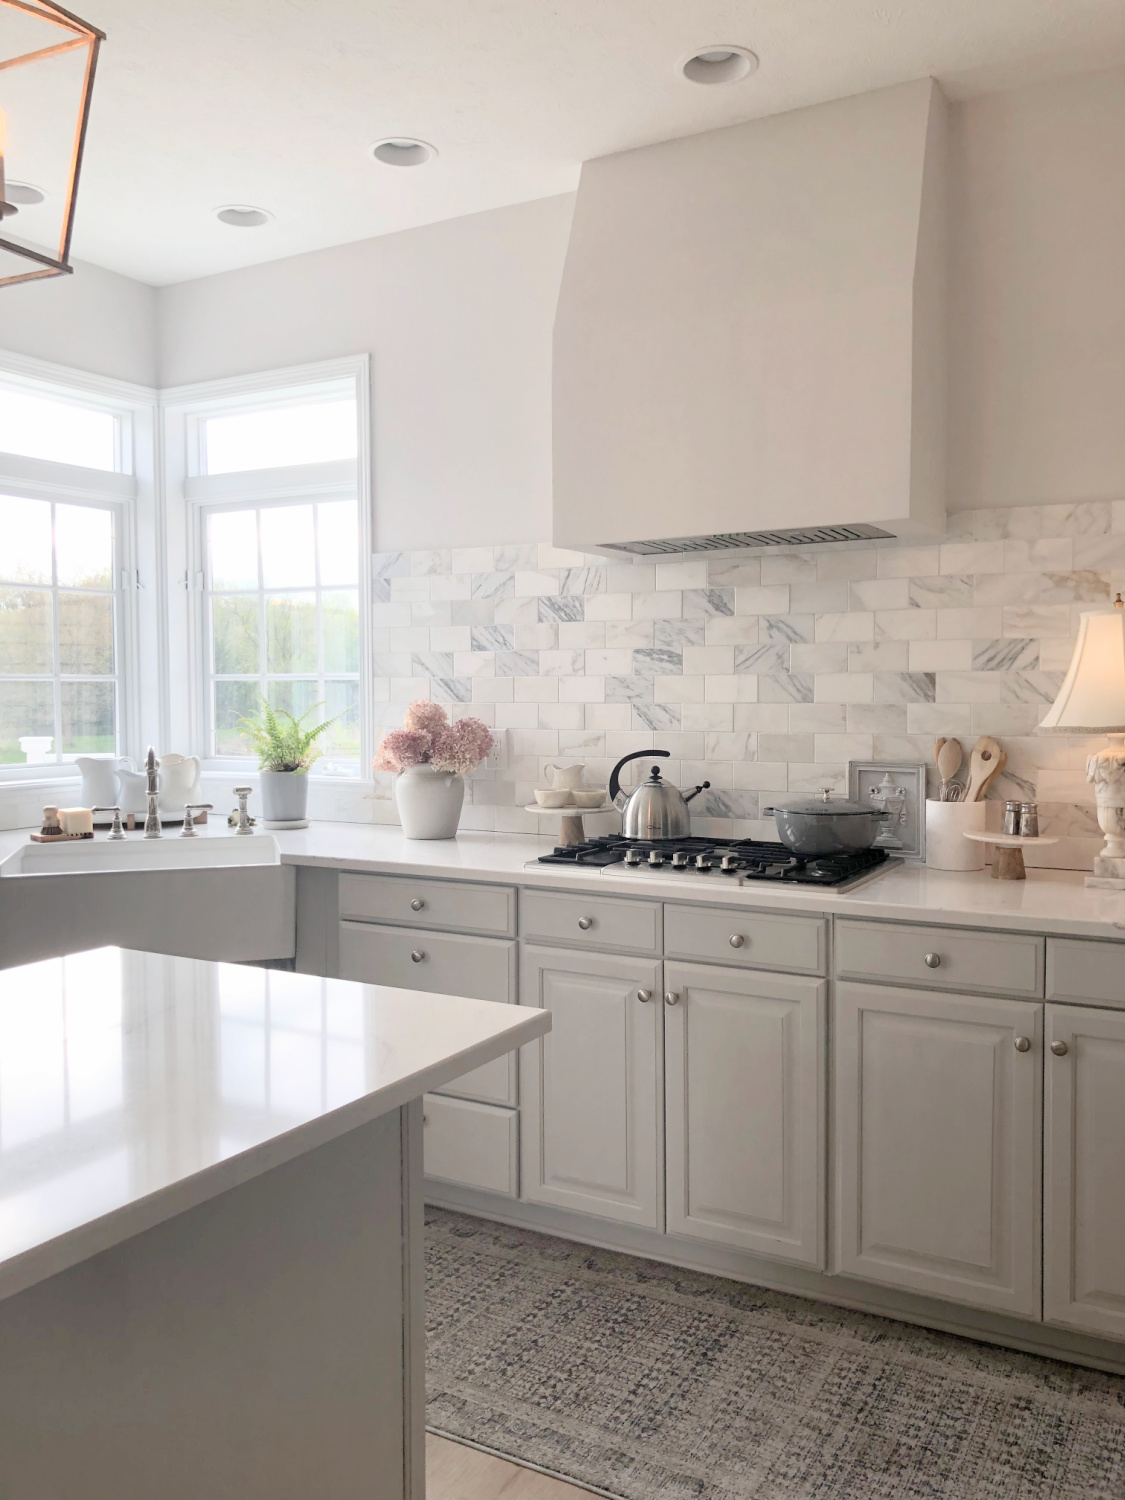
1060 1049
737 940
644 996
1023 1044
585 923
933 960
416 956
671 997
417 904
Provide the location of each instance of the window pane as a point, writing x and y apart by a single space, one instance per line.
88 718
295 698
84 547
306 433
340 623
25 631
288 549
233 701
27 714
38 427
86 634
25 540
234 630
291 632
340 743
233 536
338 528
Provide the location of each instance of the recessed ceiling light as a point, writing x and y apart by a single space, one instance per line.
242 216
403 151
725 64
24 193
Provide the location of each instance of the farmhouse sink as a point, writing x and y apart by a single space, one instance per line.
218 896
84 856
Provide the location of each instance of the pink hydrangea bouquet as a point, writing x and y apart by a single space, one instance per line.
427 738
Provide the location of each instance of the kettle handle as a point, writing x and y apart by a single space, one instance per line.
614 779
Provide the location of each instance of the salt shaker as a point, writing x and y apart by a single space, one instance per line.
1011 817
1029 820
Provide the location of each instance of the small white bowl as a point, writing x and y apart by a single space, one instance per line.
549 796
589 796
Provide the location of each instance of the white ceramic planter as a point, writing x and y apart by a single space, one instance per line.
285 796
429 802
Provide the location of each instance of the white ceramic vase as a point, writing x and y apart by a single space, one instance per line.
285 796
429 802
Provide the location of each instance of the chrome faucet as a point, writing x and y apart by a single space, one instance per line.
153 830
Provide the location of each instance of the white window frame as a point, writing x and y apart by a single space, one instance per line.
190 493
130 493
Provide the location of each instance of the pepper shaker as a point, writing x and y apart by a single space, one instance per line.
1011 817
1029 820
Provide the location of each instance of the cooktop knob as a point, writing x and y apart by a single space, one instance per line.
704 862
679 860
655 857
729 862
632 856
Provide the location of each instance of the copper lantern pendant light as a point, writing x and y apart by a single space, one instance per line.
47 61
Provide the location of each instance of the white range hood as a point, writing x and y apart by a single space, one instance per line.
749 342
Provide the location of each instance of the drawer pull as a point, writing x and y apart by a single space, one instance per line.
933 960
416 955
1023 1044
671 997
417 904
1060 1049
736 940
644 996
585 923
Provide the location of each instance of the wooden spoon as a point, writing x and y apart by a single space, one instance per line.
949 759
983 765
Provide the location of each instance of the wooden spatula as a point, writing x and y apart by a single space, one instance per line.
983 765
948 763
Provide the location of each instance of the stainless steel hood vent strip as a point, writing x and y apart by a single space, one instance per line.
806 536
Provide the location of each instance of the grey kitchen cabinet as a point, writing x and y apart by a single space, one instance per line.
1086 972
592 1135
745 1082
1084 1185
447 905
965 960
446 964
761 940
591 921
937 1144
471 1143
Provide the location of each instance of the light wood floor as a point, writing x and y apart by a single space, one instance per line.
454 1472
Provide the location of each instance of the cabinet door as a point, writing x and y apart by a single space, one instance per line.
592 1120
937 1143
744 1087
1084 1190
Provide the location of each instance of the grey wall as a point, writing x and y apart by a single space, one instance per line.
91 320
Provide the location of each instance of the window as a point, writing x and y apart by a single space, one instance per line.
282 614
59 668
36 426
310 432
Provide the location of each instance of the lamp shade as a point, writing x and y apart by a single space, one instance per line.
47 59
1092 697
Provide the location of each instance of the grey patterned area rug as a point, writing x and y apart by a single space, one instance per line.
642 1381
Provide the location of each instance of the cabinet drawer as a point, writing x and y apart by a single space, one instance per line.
1087 973
757 939
999 963
590 921
480 968
474 1144
457 906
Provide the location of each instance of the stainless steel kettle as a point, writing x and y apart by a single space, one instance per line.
655 809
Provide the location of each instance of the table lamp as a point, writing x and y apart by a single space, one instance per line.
1092 701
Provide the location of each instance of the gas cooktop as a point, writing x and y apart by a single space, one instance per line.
739 860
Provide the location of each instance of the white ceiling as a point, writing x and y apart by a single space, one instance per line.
201 103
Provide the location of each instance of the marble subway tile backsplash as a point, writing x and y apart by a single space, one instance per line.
763 674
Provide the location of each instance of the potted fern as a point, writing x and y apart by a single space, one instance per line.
286 750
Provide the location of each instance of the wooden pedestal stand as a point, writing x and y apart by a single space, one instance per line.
1007 862
571 830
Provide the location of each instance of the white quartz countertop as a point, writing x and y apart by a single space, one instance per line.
134 1086
1049 901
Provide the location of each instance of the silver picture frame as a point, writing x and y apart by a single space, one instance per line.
900 788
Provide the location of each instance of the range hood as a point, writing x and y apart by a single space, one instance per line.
750 337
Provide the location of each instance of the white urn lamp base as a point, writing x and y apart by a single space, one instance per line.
1106 769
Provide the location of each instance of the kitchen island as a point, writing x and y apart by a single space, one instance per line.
210 1226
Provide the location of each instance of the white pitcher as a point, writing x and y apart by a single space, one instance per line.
566 778
179 783
100 780
131 797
